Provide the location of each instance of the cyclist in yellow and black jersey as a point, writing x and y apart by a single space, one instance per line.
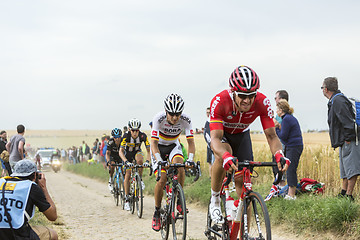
112 153
130 150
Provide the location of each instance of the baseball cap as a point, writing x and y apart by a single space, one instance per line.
24 168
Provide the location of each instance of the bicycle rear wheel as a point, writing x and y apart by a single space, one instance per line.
116 189
178 213
258 221
217 231
138 196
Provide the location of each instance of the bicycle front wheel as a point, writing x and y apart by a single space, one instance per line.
138 196
178 213
165 221
121 190
132 196
116 189
255 221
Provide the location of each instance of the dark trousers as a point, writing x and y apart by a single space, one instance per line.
293 153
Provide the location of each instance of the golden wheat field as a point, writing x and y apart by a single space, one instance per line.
318 160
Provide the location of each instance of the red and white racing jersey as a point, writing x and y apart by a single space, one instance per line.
166 133
225 116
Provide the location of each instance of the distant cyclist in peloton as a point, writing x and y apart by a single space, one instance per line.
167 127
232 111
130 150
112 153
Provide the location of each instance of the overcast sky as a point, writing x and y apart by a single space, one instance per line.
95 64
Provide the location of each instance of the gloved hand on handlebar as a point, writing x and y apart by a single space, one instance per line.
280 158
146 164
129 164
160 160
163 163
229 161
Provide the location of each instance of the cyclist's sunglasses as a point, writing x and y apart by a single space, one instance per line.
117 136
134 130
174 114
244 96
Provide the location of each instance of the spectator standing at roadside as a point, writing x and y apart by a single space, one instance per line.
93 152
87 152
102 145
15 146
96 150
27 186
75 155
209 153
79 154
342 130
83 149
290 135
70 152
280 94
5 164
63 154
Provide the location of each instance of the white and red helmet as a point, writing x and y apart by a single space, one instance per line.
244 79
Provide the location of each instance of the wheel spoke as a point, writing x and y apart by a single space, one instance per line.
257 218
179 213
139 197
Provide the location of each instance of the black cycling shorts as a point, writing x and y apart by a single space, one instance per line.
116 160
240 144
130 156
165 150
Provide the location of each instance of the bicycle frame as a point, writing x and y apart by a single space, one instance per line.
172 178
173 194
235 225
135 172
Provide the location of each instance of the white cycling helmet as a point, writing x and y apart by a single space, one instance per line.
134 124
174 103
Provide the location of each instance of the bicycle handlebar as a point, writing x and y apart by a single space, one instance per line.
141 166
166 165
248 163
252 164
116 164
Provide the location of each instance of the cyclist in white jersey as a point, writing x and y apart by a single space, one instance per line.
164 145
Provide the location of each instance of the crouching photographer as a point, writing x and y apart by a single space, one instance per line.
19 194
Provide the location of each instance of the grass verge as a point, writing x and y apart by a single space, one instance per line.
316 215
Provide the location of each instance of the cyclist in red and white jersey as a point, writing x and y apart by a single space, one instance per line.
164 144
231 113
